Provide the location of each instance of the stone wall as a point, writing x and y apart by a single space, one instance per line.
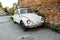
50 8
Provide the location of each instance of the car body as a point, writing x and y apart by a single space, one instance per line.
30 19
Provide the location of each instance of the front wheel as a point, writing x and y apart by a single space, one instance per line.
23 25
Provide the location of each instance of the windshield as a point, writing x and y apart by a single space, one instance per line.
23 11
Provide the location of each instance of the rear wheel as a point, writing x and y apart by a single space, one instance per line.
23 25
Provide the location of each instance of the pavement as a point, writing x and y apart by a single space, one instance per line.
11 31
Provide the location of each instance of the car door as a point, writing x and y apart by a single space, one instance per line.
16 16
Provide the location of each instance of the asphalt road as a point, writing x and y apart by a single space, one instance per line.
11 31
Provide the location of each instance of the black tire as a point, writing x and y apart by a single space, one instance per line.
23 26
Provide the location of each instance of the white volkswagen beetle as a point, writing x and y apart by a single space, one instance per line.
26 18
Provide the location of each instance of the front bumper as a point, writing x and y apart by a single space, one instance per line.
34 25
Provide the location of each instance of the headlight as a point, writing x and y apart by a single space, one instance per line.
29 22
42 19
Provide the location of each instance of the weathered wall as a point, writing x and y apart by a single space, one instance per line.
50 8
11 10
29 3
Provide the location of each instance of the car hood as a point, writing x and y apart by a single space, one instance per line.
33 17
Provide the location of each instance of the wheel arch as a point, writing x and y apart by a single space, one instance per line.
22 21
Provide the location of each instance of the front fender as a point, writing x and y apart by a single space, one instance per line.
24 20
